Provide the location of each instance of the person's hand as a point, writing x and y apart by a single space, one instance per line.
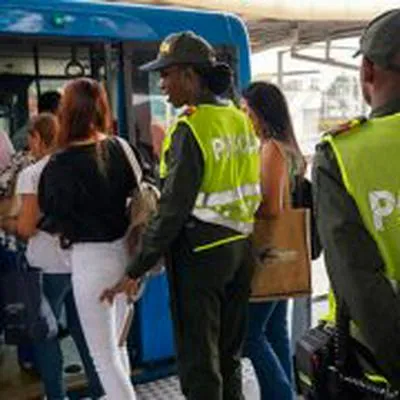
126 285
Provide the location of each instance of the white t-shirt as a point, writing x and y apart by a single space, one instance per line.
43 250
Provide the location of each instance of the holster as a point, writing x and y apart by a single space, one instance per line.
331 365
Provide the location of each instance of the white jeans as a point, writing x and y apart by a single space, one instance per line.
96 266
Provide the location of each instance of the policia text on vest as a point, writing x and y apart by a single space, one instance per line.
226 145
230 193
376 194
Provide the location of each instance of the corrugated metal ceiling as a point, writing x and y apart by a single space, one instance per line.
267 32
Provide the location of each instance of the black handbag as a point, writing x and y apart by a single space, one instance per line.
25 312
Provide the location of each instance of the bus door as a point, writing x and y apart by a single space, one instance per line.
29 67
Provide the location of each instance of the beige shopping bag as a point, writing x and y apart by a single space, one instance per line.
282 252
282 265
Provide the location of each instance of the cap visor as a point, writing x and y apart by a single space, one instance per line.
156 65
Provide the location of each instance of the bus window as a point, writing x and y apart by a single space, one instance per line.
4 118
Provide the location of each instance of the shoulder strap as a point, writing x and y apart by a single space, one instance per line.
346 126
287 202
131 157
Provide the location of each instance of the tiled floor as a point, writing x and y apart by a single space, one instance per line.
169 389
159 390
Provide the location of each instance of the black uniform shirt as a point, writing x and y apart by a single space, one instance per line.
178 196
354 263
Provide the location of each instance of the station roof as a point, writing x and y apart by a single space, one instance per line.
267 33
273 23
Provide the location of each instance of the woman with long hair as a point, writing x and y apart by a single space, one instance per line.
83 193
267 343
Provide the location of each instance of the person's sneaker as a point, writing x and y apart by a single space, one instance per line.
28 368
26 365
2 347
65 398
63 332
73 369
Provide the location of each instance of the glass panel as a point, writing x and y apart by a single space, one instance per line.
16 58
56 63
62 59
321 85
152 113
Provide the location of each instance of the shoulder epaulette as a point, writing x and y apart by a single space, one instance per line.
346 126
188 111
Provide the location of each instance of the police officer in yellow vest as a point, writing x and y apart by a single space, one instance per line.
356 177
210 192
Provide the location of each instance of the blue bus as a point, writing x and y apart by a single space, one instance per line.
44 43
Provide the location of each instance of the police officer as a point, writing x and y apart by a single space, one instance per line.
356 177
210 192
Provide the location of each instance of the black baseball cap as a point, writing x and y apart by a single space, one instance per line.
380 41
182 48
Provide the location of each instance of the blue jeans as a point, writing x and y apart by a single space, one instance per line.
58 290
267 345
301 319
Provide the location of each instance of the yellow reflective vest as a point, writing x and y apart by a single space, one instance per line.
368 160
230 191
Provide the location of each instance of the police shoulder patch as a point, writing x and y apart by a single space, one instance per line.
188 111
346 126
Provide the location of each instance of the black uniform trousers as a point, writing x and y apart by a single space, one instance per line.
209 303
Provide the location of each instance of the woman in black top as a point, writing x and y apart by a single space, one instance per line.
83 193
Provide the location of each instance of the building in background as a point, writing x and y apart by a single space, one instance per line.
320 95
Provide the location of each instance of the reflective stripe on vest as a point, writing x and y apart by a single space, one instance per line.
230 191
217 243
214 217
221 198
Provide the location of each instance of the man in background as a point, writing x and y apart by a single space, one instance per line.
356 178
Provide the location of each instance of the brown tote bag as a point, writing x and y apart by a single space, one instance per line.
282 257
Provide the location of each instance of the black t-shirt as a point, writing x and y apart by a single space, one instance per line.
83 192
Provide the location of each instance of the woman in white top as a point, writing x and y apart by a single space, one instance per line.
44 252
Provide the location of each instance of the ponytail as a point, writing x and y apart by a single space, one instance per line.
218 77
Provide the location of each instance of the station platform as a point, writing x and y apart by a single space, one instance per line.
17 384
158 384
